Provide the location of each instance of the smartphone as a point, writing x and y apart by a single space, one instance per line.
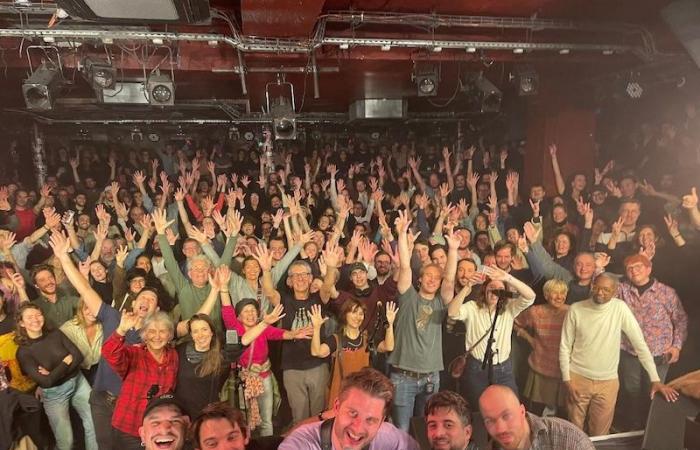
231 337
68 216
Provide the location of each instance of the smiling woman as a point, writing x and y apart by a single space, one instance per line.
147 370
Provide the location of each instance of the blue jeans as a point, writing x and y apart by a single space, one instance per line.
475 380
57 399
410 396
266 404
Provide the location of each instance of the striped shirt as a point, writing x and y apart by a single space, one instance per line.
660 314
552 433
546 324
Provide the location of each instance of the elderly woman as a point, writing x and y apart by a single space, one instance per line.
147 370
541 326
478 317
86 333
53 362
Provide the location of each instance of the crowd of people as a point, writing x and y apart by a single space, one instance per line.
144 290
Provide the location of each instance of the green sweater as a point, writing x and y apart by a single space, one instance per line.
190 297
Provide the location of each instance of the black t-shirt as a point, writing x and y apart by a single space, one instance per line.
7 325
296 354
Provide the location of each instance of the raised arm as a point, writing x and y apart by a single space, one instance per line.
561 187
405 273
332 256
264 258
318 349
690 202
61 248
447 289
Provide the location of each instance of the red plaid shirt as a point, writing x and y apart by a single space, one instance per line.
139 370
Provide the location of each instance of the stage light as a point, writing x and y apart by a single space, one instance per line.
471 49
385 48
100 74
527 79
344 46
564 51
426 80
40 89
634 89
161 90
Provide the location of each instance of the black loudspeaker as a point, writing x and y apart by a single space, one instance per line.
683 17
417 430
666 423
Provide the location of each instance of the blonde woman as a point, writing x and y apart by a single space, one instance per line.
541 326
85 332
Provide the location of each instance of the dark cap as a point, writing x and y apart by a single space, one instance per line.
136 273
163 400
245 302
357 266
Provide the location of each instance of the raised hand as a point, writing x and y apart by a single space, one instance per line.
690 201
197 234
445 190
17 281
263 256
402 221
512 180
171 237
672 225
552 150
303 238
101 232
245 180
234 223
452 239
4 199
522 244
317 319
60 244
223 275
368 250
602 259
275 315
469 152
129 235
332 254
472 180
139 178
7 241
160 221
122 253
128 321
617 226
45 191
495 273
531 232
391 311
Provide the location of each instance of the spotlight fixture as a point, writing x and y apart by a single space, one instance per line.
471 49
41 88
161 90
344 46
527 80
426 80
385 47
518 51
436 49
564 51
282 110
100 74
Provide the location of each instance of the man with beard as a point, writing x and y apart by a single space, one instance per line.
222 427
57 304
164 424
417 357
448 422
513 428
589 355
359 419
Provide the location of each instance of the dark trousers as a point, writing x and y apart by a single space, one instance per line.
102 408
634 401
124 441
475 380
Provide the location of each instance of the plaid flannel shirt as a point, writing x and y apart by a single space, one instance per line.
140 371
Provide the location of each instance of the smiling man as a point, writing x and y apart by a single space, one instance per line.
513 428
164 424
448 422
360 409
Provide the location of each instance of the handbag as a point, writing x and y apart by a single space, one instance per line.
457 365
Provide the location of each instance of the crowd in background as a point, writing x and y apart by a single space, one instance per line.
263 279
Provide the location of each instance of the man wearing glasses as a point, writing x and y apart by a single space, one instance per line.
305 376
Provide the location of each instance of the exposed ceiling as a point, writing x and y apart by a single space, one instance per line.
334 52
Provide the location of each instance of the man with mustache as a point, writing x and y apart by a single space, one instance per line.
358 423
513 428
448 422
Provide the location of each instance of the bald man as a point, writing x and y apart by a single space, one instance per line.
513 428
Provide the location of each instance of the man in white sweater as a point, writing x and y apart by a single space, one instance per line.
589 354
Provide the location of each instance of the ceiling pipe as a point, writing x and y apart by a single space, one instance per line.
267 45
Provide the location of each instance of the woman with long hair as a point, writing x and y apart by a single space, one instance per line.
478 317
349 347
147 370
53 362
541 326
85 331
